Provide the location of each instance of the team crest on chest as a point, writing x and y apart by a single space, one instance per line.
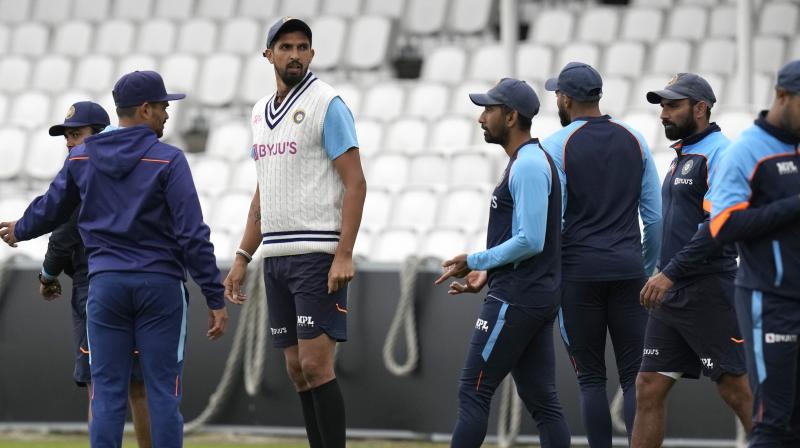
298 116
687 167
70 112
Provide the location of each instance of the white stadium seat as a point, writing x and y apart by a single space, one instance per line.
452 132
94 74
135 62
394 245
15 11
389 171
427 100
341 8
62 103
384 101
368 42
45 155
472 169
687 22
552 27
361 249
717 56
377 206
303 9
29 39
768 53
733 122
616 94
415 208
197 36
598 25
211 174
722 22
215 9
351 94
138 11
534 61
244 177
258 80
671 56
329 40
428 170
579 52
648 124
425 16
5 38
469 16
157 37
230 141
72 39
464 208
779 18
175 9
547 124
242 36
460 102
53 74
663 4
443 244
115 37
30 110
406 135
642 24
625 59
225 244
12 152
259 9
446 64
180 72
91 10
3 107
219 78
370 136
230 211
392 9
52 12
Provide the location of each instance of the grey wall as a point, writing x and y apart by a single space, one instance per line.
36 366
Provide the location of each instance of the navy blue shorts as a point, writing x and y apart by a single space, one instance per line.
298 302
695 330
82 374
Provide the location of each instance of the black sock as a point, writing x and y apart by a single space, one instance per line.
329 407
310 417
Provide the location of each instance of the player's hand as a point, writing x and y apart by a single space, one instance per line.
474 282
456 267
234 281
7 233
341 272
216 323
654 291
51 290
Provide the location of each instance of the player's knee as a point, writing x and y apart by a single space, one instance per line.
315 370
296 374
649 390
734 390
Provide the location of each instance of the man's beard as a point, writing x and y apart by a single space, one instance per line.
786 124
292 80
491 138
564 117
679 131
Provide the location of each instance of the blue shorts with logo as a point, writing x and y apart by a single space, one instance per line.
298 302
81 374
695 330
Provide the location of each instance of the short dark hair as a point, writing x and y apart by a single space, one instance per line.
126 112
523 122
692 102
97 128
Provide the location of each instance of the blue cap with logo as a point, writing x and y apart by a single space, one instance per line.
510 92
139 87
789 77
80 114
578 81
682 86
285 25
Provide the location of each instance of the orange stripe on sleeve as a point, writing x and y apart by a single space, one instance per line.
707 205
722 218
79 158
155 160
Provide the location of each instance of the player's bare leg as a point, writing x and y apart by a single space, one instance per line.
137 397
735 390
89 395
648 425
316 362
292 357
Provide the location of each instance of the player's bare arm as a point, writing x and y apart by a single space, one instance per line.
250 241
7 233
355 191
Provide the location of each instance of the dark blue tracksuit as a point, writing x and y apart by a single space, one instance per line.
609 180
755 201
141 223
514 332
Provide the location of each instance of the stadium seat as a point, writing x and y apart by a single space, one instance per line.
259 9
12 152
219 77
115 37
469 16
133 63
443 244
598 25
445 64
60 106
303 9
53 74
450 133
157 37
377 206
106 100
211 174
687 22
425 16
3 107
552 27
51 12
29 39
94 74
258 80
229 211
341 8
671 56
663 161
768 54
427 100
646 84
30 110
414 208
795 50
472 169
231 141
72 39
406 135
778 19
5 39
242 36
197 36
180 72
392 9
703 3
464 208
388 171
15 11
717 56
460 102
214 9
648 125
243 175
428 170
44 155
722 22
663 4
225 244
351 95
361 249
579 52
384 101
176 9
534 62
137 11
733 122
625 59
642 24
368 42
370 136
329 33
717 84
206 203
616 95
91 10
477 241
394 246
14 74
545 125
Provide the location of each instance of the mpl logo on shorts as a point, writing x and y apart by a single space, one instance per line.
773 338
482 325
707 362
275 331
650 352
786 167
305 321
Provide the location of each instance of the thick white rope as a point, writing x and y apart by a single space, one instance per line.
404 319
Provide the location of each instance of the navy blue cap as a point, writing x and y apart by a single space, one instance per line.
578 81
682 86
285 25
789 77
510 92
137 88
80 114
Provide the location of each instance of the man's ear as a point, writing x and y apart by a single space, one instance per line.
268 54
511 118
700 109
